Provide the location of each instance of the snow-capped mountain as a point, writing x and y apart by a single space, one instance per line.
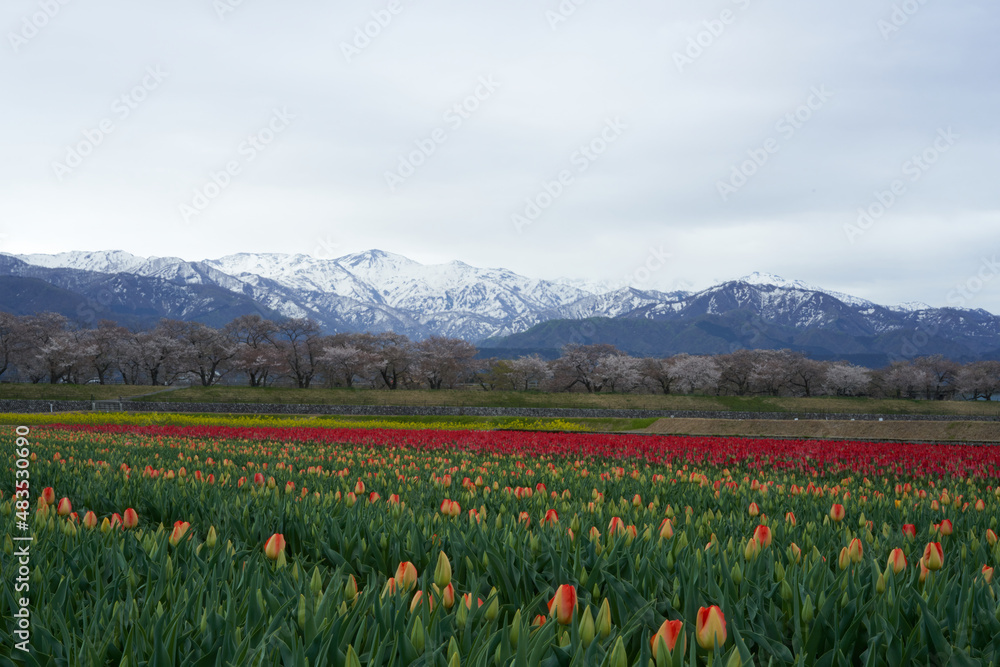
380 291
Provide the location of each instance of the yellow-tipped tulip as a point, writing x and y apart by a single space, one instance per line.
897 560
710 628
933 556
274 546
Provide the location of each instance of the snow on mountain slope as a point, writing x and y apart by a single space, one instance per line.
381 291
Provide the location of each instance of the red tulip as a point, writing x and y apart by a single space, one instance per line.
49 495
762 535
754 510
258 479
131 519
616 526
551 517
669 632
90 520
274 546
563 605
837 512
910 530
177 534
711 627
945 527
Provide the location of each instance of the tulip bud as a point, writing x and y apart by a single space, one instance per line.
988 573
752 549
515 629
442 573
844 560
587 627
211 537
352 659
604 619
618 656
494 606
991 537
350 589
808 610
105 526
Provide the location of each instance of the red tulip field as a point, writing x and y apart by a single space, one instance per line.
188 545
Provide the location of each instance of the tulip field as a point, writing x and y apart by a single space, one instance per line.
210 545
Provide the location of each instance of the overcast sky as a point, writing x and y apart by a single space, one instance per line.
705 140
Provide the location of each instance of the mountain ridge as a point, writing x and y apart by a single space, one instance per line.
375 290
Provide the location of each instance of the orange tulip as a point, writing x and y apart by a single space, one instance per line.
90 520
933 556
274 546
359 488
406 575
837 512
897 560
177 534
711 627
65 507
417 597
563 605
448 596
131 519
923 569
669 632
